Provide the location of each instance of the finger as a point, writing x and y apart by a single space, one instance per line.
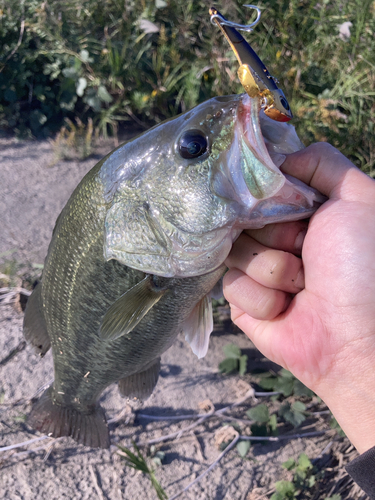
323 167
262 335
286 236
254 299
268 267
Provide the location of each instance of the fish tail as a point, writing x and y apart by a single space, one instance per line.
53 419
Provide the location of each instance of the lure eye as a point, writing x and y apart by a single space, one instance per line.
192 144
285 103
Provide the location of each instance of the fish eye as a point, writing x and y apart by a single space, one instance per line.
192 144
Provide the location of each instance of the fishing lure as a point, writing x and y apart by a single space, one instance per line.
253 74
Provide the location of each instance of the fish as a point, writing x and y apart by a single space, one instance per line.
139 247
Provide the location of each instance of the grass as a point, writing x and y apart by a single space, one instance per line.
118 62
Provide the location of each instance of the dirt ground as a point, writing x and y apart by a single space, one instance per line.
32 194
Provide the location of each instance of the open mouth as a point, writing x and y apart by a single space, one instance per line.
263 144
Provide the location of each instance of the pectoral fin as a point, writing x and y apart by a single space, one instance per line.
140 385
217 292
198 327
123 316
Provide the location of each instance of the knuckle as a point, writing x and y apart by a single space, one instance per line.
323 148
271 304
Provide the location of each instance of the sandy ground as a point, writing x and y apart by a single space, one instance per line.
32 193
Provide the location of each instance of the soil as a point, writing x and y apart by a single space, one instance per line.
34 187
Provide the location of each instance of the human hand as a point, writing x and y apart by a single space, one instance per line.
317 319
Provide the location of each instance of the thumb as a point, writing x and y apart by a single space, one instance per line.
323 167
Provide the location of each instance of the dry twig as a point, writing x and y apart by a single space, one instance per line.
212 466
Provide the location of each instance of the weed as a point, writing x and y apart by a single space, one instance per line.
20 418
138 462
304 478
336 426
243 447
265 424
234 360
285 383
151 60
75 140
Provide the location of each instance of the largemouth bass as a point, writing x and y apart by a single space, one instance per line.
140 245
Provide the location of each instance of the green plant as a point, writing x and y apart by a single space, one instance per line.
284 382
234 360
294 413
74 140
265 424
243 447
336 426
304 478
138 462
122 61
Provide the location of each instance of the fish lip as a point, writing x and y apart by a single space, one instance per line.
248 119
286 189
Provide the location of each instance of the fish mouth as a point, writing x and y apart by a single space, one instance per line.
263 144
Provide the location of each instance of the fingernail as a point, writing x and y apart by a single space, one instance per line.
300 280
299 240
278 159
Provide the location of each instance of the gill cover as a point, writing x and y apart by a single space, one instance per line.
201 178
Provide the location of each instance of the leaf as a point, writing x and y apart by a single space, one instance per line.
335 425
148 27
85 56
293 417
273 424
284 385
286 488
311 481
159 4
135 461
243 447
277 496
228 365
104 95
243 364
159 490
289 464
286 374
93 101
157 461
304 462
301 390
80 86
259 430
10 95
298 406
20 418
268 383
70 73
259 413
232 351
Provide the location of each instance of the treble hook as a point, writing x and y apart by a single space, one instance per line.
253 74
242 27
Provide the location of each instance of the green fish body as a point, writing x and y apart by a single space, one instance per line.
137 250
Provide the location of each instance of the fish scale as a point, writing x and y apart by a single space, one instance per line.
136 252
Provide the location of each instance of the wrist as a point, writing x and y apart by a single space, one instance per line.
353 406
